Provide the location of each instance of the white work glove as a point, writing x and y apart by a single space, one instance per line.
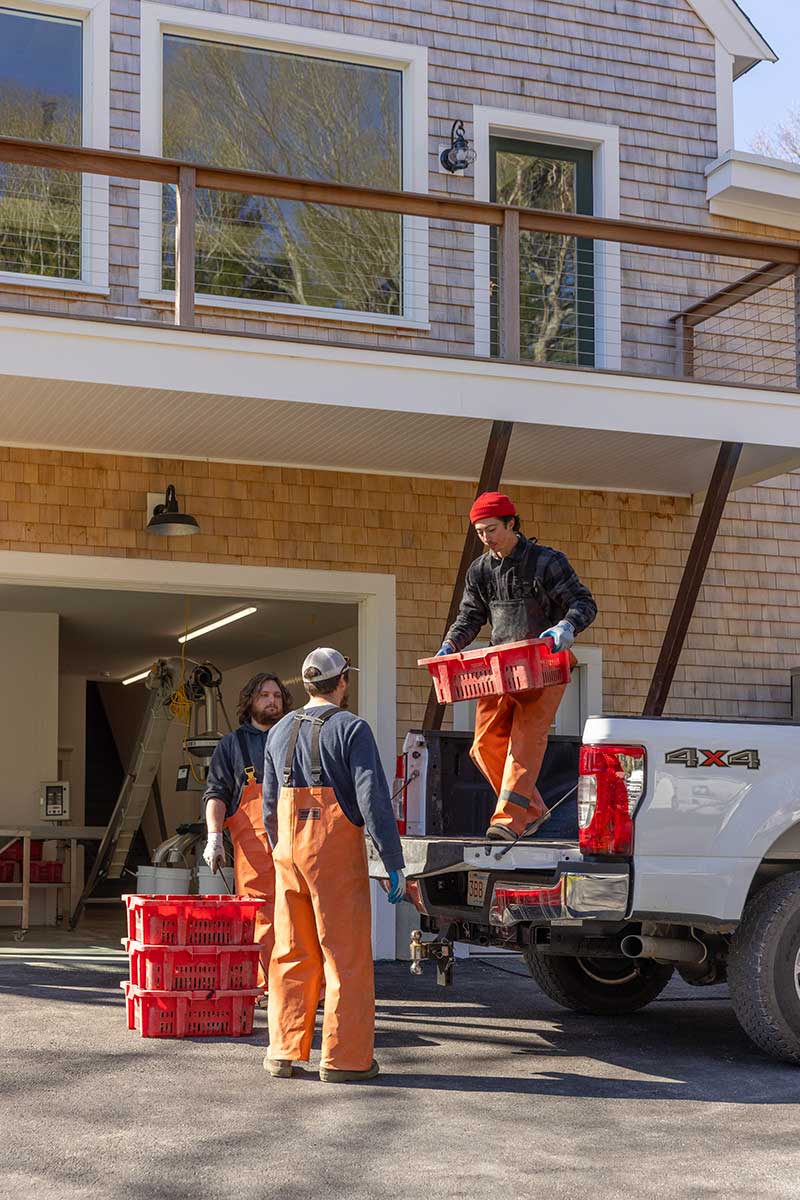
562 634
214 853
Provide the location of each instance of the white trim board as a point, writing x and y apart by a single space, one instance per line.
410 60
603 141
43 347
735 31
95 18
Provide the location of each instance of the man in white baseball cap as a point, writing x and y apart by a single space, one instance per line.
323 785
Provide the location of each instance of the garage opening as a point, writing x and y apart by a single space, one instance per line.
67 716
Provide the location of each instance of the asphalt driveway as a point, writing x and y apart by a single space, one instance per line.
488 1089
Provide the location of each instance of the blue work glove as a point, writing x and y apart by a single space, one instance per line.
562 635
397 886
445 648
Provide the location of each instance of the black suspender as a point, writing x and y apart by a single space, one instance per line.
249 771
316 730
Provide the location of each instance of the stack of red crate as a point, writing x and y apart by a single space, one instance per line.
40 872
193 965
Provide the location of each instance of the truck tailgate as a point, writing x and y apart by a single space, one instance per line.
434 856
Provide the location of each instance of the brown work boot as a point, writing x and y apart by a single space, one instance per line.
500 833
329 1075
279 1068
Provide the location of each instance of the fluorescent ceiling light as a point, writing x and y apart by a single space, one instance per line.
136 678
237 616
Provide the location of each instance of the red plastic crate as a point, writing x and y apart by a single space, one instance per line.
7 869
13 853
192 968
46 872
192 920
497 670
190 1014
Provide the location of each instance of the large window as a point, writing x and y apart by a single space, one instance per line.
41 98
255 108
556 272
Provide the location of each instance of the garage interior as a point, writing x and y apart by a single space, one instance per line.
65 713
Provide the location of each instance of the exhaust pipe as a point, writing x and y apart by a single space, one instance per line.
669 949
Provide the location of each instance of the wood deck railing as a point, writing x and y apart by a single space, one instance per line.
779 260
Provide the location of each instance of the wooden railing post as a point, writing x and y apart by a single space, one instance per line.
185 246
509 287
684 347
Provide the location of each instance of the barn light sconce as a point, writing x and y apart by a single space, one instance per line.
167 520
459 154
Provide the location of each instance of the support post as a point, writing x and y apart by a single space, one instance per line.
684 348
797 328
491 474
509 288
185 246
693 572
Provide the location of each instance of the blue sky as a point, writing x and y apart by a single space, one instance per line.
763 96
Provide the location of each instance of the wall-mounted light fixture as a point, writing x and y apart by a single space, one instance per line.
459 154
167 520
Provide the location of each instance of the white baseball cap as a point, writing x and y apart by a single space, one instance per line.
325 663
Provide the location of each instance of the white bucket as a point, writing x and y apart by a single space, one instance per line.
209 884
172 881
146 881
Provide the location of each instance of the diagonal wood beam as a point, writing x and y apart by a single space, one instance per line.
492 472
693 572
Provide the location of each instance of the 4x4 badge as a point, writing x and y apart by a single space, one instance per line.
689 756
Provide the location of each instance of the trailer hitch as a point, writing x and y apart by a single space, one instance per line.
440 951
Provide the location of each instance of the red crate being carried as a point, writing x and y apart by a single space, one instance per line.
192 968
192 920
497 670
190 1014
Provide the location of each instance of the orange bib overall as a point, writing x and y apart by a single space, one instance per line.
322 924
253 868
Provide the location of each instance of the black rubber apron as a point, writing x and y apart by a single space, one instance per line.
523 614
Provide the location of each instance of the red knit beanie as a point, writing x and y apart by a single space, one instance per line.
491 504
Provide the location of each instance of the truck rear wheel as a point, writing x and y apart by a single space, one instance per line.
604 986
764 969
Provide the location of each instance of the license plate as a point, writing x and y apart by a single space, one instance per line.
476 889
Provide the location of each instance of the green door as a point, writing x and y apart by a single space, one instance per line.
556 272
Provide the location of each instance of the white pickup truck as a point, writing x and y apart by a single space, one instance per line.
687 857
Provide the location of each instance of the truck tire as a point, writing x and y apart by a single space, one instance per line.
603 986
763 968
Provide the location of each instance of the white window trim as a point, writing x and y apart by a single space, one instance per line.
96 20
723 74
412 61
603 141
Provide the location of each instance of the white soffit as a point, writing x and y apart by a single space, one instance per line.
734 30
188 425
750 187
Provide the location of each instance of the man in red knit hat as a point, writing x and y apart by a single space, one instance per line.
523 590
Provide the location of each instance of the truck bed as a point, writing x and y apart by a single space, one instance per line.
440 855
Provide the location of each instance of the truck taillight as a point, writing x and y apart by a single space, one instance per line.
610 785
399 796
511 904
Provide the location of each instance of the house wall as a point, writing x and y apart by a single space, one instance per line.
629 548
648 69
28 712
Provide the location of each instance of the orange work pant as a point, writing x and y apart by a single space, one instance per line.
322 931
253 871
510 742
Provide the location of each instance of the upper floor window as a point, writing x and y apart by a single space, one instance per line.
256 108
41 90
557 285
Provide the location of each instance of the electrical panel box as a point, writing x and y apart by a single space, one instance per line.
54 801
191 778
